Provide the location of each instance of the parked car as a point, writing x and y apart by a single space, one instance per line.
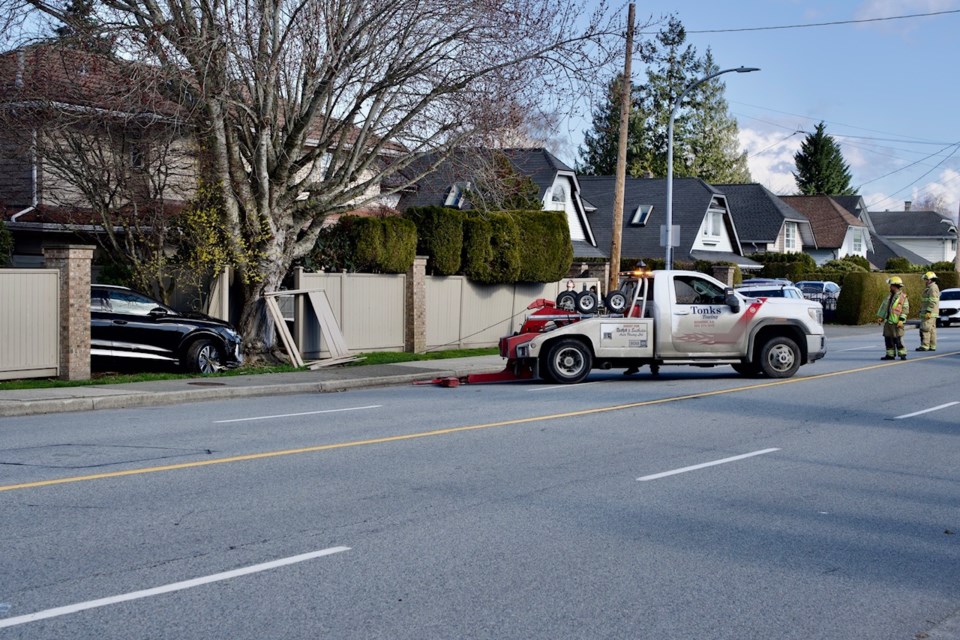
771 291
949 307
128 324
754 282
822 288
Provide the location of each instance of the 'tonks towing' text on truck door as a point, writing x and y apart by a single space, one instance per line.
702 323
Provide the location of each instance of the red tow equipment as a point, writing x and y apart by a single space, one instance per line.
545 318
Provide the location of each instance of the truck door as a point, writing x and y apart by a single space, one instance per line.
701 323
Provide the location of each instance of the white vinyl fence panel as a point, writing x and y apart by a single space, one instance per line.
29 323
368 309
464 314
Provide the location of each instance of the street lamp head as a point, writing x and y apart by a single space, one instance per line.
746 69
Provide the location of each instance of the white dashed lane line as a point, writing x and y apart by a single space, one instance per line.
657 476
292 415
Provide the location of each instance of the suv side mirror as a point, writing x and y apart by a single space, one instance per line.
732 300
158 312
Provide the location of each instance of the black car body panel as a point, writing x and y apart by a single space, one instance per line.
128 324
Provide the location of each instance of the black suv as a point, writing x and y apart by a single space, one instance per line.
127 324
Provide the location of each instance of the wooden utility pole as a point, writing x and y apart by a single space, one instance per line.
626 89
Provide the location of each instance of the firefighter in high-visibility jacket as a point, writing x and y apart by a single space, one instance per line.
892 314
929 310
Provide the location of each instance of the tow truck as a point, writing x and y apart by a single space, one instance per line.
660 318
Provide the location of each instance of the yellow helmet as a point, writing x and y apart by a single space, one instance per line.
929 275
897 280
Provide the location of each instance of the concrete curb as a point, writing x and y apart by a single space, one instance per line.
20 408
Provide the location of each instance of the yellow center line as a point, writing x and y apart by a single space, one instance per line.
451 430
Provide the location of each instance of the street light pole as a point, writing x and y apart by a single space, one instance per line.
673 113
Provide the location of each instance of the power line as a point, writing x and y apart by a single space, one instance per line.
827 24
889 197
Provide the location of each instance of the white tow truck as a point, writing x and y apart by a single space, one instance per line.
666 318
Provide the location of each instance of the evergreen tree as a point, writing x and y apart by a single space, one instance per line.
600 144
705 140
80 28
713 135
821 169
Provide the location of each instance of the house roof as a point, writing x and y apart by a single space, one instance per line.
854 204
884 249
44 74
759 214
911 224
691 199
462 165
829 220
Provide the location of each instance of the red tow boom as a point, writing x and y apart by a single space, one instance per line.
545 317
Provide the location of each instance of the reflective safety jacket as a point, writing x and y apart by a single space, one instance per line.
894 308
930 300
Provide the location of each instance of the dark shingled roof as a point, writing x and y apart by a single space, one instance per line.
853 204
539 164
691 199
759 214
910 224
884 249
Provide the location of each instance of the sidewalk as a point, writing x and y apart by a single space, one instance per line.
162 392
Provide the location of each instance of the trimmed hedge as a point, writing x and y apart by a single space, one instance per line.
491 248
439 237
547 251
370 245
862 294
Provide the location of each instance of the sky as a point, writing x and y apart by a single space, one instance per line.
888 90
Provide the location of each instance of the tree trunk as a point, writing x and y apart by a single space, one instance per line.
256 325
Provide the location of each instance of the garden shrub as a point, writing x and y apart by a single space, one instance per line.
544 241
491 248
439 237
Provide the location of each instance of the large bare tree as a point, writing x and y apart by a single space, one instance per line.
305 107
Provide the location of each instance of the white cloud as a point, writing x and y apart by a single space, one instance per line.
770 157
947 185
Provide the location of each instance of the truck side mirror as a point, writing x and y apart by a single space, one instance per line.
732 300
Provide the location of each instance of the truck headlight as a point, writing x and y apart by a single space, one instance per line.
816 314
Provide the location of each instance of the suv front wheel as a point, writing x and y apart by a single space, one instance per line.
203 356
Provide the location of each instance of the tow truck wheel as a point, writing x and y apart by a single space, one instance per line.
586 302
780 358
567 300
569 361
616 302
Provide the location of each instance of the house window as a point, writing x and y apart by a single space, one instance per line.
713 225
641 215
559 195
790 236
137 157
857 241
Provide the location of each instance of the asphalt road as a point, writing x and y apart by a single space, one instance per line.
699 504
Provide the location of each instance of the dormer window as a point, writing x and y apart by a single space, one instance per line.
456 195
559 195
641 215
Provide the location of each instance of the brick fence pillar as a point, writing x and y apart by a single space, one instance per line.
724 273
415 307
73 262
